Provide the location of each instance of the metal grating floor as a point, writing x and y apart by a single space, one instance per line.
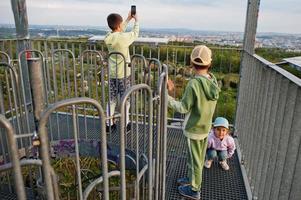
217 183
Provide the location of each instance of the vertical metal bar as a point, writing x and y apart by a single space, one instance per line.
164 130
20 190
37 87
17 104
10 104
294 139
295 191
251 25
55 88
263 115
45 159
282 92
284 138
79 180
62 73
21 23
23 96
102 81
137 148
255 91
274 96
2 110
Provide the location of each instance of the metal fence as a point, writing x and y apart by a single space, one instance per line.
75 69
226 63
268 123
55 115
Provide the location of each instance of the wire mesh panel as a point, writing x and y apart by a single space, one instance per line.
75 69
143 145
11 107
24 171
71 148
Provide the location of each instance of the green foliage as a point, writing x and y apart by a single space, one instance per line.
275 55
292 70
226 104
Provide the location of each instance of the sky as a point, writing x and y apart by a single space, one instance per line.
281 16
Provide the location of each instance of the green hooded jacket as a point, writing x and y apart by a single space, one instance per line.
198 103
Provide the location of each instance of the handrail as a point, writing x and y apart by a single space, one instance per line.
14 157
278 69
44 141
122 139
6 55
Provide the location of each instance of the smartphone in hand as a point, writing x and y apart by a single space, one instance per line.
133 10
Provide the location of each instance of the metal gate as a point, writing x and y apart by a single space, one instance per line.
65 118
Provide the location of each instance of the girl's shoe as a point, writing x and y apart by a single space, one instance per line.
186 191
208 163
183 181
224 165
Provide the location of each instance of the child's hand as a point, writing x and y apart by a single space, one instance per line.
129 16
170 85
135 17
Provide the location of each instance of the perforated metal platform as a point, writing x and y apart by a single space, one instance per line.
217 183
6 195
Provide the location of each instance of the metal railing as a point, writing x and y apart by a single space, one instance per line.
268 123
55 86
226 62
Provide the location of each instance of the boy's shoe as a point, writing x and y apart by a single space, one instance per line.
224 165
183 181
128 127
186 191
113 127
208 163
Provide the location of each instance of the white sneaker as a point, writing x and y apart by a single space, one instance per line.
224 165
208 163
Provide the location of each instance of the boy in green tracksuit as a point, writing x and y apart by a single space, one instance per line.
119 41
198 103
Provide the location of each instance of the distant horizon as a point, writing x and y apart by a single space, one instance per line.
105 28
275 16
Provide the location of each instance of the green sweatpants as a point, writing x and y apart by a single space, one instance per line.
196 157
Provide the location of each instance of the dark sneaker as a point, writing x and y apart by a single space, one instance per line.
128 127
186 191
183 181
113 127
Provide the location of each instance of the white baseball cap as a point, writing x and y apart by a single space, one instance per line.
201 55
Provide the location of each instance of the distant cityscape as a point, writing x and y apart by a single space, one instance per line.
289 42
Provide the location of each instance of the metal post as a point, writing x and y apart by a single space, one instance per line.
37 87
164 102
251 26
248 47
21 22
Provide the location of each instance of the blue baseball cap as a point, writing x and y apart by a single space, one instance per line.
221 121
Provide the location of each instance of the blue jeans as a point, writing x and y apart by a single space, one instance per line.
212 153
